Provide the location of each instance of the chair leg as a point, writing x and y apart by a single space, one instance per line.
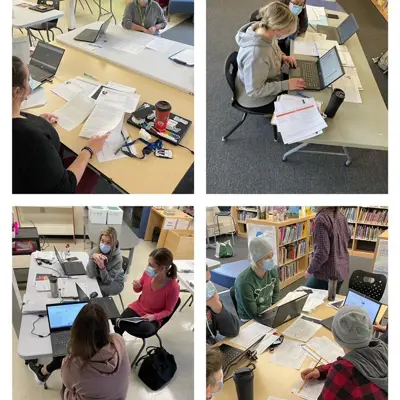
275 133
40 33
120 298
59 29
159 339
91 12
187 301
191 302
235 127
139 353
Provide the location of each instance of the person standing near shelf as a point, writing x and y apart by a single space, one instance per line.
331 255
257 287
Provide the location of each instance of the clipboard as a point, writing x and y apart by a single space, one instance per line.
175 58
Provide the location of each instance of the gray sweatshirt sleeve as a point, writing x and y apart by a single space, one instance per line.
91 266
115 273
226 323
255 74
161 18
127 19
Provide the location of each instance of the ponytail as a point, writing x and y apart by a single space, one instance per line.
275 15
172 271
165 258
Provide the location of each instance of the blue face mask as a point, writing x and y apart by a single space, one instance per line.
221 385
295 9
105 248
210 290
150 271
268 264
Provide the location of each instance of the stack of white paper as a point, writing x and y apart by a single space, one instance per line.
325 348
129 47
316 15
36 99
302 330
349 85
305 47
298 121
311 390
159 44
127 101
314 299
289 354
314 36
250 334
354 74
69 89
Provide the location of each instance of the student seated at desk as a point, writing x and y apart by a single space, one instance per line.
384 330
36 162
144 16
219 319
214 374
159 293
363 372
259 79
105 263
97 366
298 8
257 287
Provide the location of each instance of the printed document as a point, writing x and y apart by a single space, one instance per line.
349 86
325 45
311 390
266 342
305 47
314 36
127 101
159 44
36 99
289 354
325 348
353 73
73 113
129 47
69 89
250 334
111 146
302 330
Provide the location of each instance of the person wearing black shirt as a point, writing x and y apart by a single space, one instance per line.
37 164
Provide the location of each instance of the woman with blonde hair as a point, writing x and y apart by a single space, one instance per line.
105 263
259 79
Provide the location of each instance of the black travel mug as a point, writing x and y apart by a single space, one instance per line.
53 286
244 378
332 287
335 102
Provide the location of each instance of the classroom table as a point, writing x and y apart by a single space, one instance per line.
149 63
355 125
275 380
151 175
212 264
23 17
159 219
31 346
185 278
126 237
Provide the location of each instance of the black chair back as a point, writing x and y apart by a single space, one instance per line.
125 261
368 283
231 69
166 319
233 296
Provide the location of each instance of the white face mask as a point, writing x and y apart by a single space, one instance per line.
221 385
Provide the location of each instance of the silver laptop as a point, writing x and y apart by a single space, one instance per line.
343 32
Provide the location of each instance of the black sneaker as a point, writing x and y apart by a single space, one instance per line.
35 369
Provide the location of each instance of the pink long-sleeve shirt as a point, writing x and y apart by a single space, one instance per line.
159 303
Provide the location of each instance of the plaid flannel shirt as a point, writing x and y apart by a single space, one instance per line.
344 382
331 238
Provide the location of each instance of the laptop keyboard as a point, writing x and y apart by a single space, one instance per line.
230 355
38 74
310 74
61 338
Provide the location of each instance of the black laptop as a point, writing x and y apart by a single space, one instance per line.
343 32
44 62
321 73
107 303
92 35
70 268
61 317
284 313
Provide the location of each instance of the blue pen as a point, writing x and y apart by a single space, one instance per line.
302 95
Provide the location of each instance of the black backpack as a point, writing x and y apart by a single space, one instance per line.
158 367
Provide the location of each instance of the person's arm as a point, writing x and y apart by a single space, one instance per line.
248 300
79 165
226 323
276 293
337 379
141 281
128 20
91 265
323 371
172 298
108 276
161 21
322 247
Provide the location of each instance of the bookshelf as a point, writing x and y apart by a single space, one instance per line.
241 215
383 7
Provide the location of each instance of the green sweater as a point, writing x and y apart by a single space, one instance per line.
254 294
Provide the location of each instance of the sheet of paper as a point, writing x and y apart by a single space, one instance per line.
170 223
325 45
250 334
185 56
110 147
353 73
182 224
69 89
73 113
302 330
121 88
36 99
129 47
348 84
289 354
305 47
44 255
310 391
104 118
266 342
42 286
314 36
159 44
314 299
127 101
325 348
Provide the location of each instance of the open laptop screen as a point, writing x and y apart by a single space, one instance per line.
47 57
358 300
331 67
347 28
63 315
58 256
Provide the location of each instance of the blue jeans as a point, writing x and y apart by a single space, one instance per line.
315 283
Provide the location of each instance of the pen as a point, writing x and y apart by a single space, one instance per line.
90 76
315 366
94 45
302 95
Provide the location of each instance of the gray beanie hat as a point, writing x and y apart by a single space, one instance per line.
259 248
352 327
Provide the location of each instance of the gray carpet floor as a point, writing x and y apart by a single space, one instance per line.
250 161
182 33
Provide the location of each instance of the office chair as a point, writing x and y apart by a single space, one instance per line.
368 283
232 292
231 69
164 321
223 213
45 26
80 2
125 265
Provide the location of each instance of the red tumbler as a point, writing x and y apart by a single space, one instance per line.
163 110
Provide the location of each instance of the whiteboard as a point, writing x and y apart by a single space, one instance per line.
381 265
268 232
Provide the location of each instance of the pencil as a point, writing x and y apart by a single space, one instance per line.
315 366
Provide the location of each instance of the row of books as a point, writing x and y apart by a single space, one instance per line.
290 233
243 215
350 213
292 251
368 232
288 271
374 216
352 230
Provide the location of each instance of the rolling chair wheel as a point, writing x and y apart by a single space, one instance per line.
223 139
284 159
347 163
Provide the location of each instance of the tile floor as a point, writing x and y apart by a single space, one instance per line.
177 338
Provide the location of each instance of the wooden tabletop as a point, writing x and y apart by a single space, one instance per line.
151 175
178 214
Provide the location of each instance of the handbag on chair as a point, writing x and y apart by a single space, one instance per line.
158 367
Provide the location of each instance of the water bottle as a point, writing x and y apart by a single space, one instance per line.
53 286
67 251
332 287
244 381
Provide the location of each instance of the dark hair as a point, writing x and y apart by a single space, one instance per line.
18 73
214 364
90 332
165 258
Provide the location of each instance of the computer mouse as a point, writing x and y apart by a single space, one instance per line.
93 295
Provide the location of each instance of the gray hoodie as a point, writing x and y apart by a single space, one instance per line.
148 16
372 362
113 270
259 78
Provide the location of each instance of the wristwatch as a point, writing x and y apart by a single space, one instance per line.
89 150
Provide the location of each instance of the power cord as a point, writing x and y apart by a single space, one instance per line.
187 148
33 328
